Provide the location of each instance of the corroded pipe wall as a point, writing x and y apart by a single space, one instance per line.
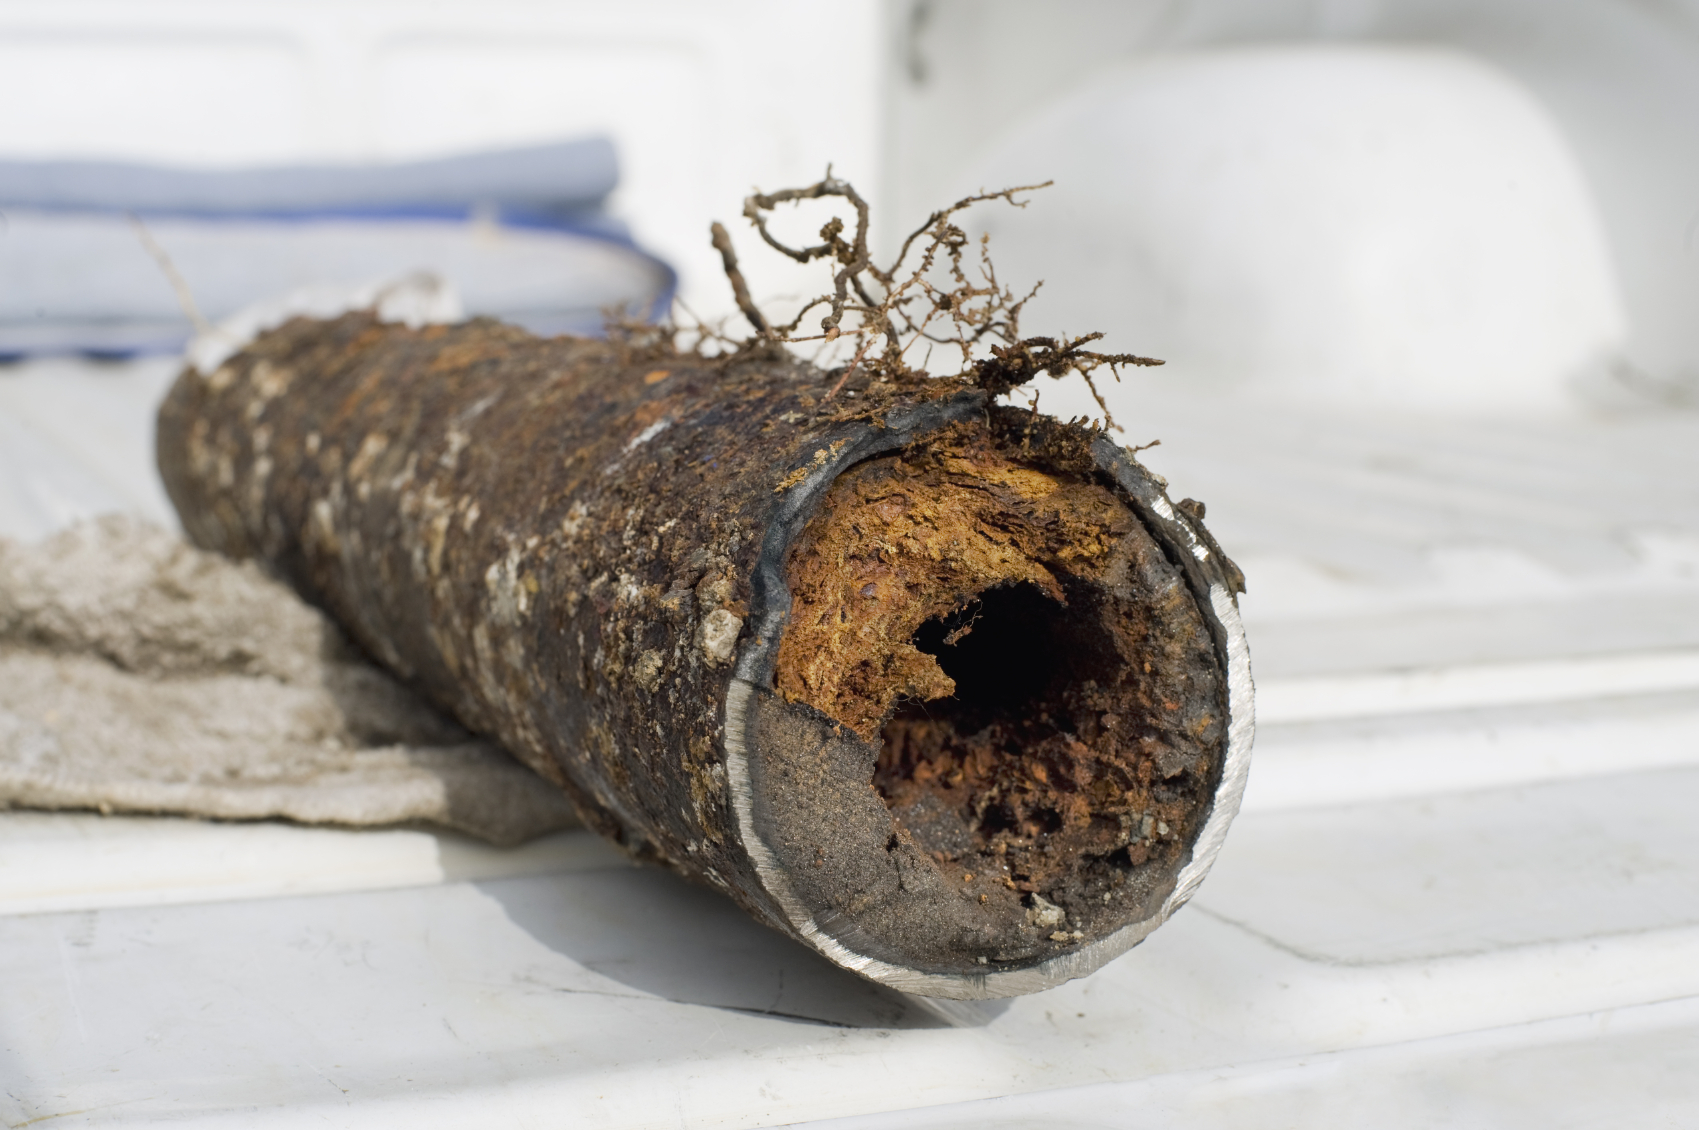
577 546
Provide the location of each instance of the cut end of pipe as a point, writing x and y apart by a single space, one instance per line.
998 712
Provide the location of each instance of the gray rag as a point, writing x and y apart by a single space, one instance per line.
139 674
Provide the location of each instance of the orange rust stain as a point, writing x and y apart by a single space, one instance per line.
904 539
650 411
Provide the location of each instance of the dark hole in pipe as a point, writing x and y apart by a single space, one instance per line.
1002 650
996 760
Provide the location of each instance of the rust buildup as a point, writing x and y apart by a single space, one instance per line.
1043 689
947 690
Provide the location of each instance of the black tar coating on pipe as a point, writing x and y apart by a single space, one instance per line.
569 543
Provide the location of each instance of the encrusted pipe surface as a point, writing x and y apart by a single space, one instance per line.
588 549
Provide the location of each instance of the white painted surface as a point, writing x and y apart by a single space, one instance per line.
630 999
1342 223
53 862
1576 1071
1469 897
1617 79
1354 760
1465 687
76 440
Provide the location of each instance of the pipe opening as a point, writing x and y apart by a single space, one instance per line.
1003 650
982 765
1033 673
1035 761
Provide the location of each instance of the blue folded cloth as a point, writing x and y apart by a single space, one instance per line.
566 177
516 234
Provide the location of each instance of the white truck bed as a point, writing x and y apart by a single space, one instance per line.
1464 890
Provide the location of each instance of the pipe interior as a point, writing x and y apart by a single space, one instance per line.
1033 673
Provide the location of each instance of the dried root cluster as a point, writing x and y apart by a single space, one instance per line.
935 293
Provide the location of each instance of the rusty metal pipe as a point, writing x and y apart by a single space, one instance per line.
587 549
